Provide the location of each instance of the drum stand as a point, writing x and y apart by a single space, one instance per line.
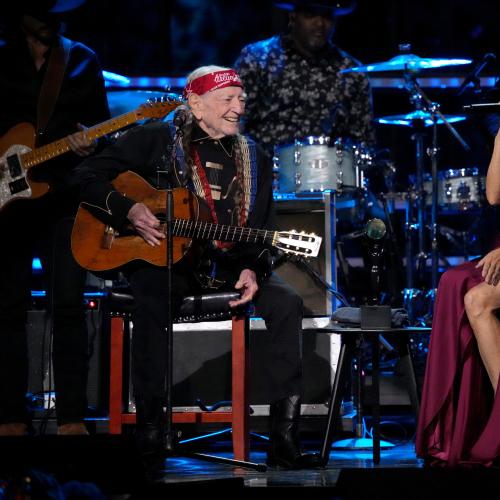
423 103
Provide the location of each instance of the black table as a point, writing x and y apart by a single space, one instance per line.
351 336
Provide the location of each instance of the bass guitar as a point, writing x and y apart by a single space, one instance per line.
17 155
98 247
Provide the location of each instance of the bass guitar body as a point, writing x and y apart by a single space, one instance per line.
15 181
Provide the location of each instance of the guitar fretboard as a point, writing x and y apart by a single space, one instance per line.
44 153
210 231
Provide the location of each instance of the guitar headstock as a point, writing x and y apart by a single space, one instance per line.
158 107
298 243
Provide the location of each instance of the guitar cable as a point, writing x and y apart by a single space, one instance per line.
301 262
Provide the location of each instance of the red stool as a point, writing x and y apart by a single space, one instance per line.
210 307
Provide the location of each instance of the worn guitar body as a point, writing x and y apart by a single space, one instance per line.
19 140
98 247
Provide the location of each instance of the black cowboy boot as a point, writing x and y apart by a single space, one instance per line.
284 446
149 434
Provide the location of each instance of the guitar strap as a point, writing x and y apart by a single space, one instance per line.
51 85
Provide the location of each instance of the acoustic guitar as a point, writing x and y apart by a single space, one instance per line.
98 247
17 155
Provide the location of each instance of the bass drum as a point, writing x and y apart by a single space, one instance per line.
313 164
459 190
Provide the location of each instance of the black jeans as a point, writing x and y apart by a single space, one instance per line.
277 303
43 227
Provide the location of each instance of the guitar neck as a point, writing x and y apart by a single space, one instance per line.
49 151
201 230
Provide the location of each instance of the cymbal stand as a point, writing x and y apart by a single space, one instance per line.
423 102
416 263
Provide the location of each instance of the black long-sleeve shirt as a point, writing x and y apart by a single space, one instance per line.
145 150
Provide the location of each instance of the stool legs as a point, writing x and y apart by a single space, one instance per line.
240 379
240 382
348 345
408 372
116 375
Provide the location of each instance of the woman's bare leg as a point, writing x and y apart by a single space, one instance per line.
481 304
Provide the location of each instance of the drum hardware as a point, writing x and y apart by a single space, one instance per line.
473 76
425 109
459 190
488 107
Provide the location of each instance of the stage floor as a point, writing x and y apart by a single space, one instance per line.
188 469
113 465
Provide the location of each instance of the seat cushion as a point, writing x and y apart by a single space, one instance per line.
204 307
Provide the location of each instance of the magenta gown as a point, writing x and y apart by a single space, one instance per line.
459 421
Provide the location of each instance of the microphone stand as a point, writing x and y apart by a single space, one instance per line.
169 218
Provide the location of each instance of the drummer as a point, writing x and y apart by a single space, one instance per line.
294 85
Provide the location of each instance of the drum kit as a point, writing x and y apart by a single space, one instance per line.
313 165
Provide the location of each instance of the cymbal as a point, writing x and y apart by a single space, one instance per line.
407 62
413 118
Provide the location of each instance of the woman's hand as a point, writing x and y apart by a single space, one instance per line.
491 267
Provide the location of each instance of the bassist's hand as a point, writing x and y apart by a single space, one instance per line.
80 143
146 224
247 283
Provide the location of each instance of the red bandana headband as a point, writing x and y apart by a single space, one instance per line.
213 81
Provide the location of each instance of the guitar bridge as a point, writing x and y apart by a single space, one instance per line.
108 237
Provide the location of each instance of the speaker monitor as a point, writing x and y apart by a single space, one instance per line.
39 381
312 216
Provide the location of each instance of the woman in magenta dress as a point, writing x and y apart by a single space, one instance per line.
459 421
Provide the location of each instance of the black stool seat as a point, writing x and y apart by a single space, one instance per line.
194 308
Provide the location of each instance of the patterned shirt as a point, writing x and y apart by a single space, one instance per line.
291 97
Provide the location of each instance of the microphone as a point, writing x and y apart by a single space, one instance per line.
180 118
474 74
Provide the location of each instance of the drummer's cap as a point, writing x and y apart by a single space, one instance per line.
330 7
210 78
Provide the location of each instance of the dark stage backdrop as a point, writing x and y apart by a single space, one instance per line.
172 37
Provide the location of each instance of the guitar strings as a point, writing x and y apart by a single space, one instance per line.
203 229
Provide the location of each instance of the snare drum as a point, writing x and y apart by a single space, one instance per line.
313 164
459 190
